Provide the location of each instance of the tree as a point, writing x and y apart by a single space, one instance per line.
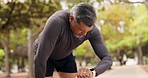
124 28
16 15
116 19
139 30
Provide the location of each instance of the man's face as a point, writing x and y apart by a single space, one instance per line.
79 29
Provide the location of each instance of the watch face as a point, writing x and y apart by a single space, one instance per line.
94 73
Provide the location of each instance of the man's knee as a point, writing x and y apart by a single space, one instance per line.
48 77
67 75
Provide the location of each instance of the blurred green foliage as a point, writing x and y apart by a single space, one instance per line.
124 26
1 53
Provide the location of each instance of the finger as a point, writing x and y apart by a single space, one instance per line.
88 73
84 72
80 73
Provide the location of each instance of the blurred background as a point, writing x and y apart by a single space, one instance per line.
123 24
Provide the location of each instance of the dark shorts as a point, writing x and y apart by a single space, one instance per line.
67 65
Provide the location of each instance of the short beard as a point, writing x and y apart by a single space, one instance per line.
78 36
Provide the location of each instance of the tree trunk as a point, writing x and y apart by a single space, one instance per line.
7 62
23 64
139 55
146 3
139 50
30 54
6 50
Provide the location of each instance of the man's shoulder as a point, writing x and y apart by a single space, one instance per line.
95 29
59 16
61 13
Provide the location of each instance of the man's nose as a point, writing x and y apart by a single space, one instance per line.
83 33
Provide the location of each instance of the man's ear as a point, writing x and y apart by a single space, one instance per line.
71 18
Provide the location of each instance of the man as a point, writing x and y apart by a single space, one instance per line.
63 32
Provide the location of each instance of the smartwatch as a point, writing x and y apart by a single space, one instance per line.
94 73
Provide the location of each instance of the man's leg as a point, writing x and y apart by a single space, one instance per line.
48 77
67 68
49 69
67 75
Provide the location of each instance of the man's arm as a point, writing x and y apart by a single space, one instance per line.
101 51
46 42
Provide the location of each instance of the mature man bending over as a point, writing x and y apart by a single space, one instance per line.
64 31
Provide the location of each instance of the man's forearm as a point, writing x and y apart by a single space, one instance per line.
105 64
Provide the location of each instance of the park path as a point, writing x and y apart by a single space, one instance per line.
129 71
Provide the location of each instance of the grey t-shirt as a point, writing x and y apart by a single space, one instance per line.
57 41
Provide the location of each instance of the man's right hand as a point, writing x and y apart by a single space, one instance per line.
84 73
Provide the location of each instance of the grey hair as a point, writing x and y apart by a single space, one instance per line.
85 13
